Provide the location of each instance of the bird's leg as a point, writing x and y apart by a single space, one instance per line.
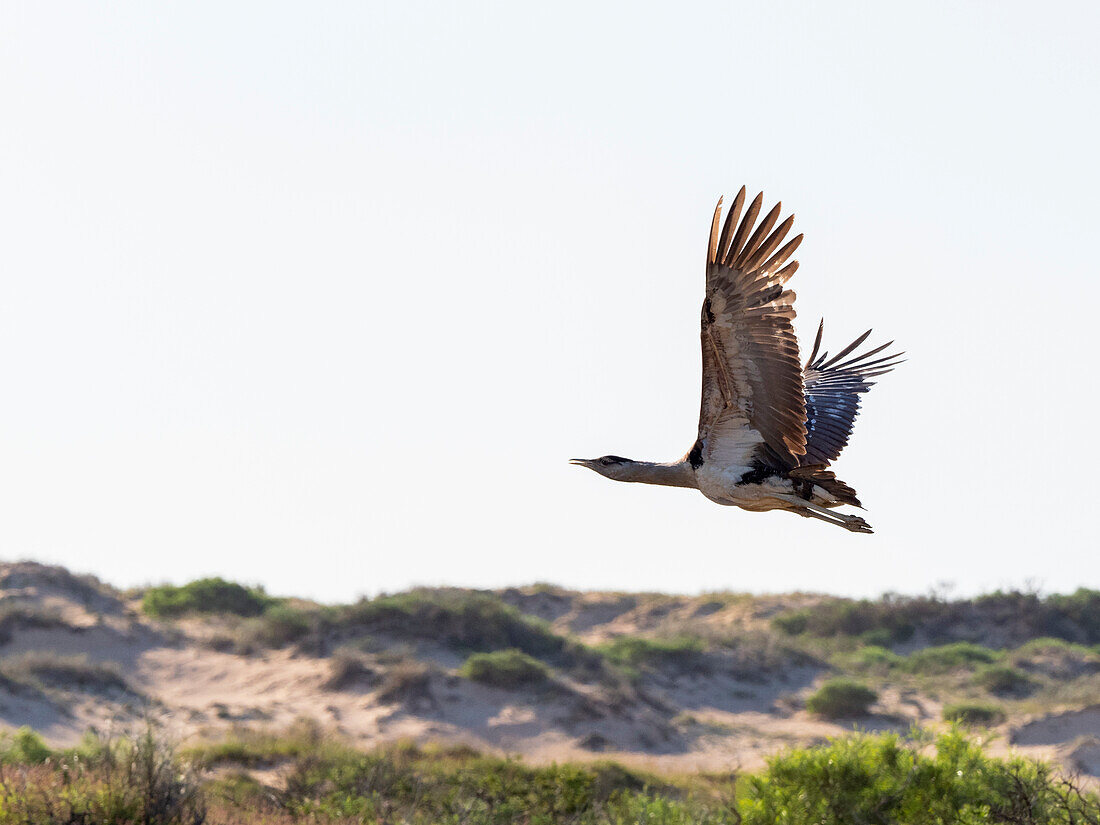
810 510
806 512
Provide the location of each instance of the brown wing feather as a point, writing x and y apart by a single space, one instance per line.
750 354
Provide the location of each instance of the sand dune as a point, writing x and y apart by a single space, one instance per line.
720 713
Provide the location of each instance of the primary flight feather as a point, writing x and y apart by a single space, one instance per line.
769 426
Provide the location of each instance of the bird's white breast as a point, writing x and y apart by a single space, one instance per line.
727 455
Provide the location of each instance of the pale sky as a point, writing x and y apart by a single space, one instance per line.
324 296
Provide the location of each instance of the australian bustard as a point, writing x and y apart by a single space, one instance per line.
768 426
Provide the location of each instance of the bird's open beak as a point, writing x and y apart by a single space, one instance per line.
580 462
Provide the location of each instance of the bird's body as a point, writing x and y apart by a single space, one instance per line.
768 425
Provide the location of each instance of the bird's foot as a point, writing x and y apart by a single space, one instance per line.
856 524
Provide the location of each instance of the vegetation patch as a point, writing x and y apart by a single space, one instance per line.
86 590
349 669
259 748
842 699
51 670
1001 680
212 595
950 657
640 652
509 669
871 659
408 682
279 626
887 620
128 781
860 779
878 779
23 747
18 616
1014 616
1056 658
974 714
461 619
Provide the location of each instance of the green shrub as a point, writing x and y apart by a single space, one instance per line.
793 622
877 779
213 595
280 625
878 636
23 747
946 658
973 714
841 699
1001 680
509 669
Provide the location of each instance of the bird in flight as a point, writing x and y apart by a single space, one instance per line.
769 426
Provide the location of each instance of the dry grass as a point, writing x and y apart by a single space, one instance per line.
406 683
350 669
47 670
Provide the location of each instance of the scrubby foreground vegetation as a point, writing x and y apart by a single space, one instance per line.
859 779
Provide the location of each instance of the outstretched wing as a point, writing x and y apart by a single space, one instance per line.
752 377
832 389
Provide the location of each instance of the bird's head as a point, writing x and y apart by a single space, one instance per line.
612 466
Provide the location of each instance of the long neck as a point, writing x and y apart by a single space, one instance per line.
677 474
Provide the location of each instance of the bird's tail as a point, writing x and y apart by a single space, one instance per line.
826 479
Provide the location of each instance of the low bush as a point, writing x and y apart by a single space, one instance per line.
23 747
946 658
212 595
1001 680
841 699
878 779
973 714
509 669
279 626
